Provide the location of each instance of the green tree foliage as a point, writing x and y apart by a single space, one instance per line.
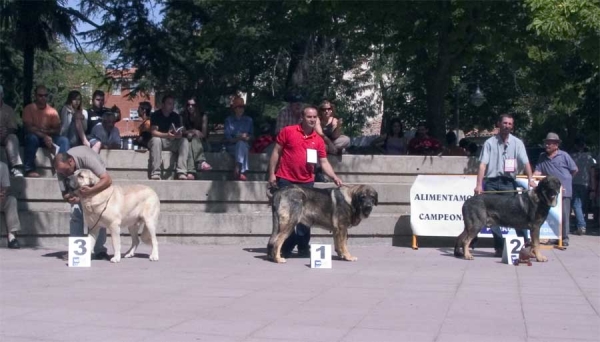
61 71
417 59
30 26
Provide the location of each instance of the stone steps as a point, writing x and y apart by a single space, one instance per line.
215 210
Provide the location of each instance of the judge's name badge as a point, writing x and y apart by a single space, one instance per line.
510 165
311 156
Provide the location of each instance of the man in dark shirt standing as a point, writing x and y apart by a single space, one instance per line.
559 164
167 132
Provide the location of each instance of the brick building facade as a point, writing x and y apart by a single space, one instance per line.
119 95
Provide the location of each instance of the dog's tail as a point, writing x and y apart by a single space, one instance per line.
270 193
146 236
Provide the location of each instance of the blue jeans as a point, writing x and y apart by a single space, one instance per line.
239 151
76 227
580 196
301 234
33 142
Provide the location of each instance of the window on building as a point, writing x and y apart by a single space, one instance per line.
116 89
133 113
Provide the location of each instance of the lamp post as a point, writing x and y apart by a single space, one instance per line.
477 99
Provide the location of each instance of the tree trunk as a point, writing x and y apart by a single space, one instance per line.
28 63
437 83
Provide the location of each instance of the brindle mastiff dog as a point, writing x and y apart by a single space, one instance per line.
333 209
527 211
115 207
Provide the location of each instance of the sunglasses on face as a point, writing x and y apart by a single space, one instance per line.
191 105
329 108
41 95
99 99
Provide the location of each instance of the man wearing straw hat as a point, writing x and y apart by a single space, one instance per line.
501 157
558 163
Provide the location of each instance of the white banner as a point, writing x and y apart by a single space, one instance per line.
436 207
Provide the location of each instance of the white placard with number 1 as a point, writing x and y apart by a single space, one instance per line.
80 253
512 247
320 256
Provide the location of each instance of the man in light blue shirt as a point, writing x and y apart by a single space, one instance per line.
502 156
559 164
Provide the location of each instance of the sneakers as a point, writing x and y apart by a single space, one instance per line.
498 253
304 253
155 177
182 176
100 256
580 231
14 244
204 166
16 172
191 176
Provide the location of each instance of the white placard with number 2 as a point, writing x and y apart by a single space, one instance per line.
80 253
320 256
512 247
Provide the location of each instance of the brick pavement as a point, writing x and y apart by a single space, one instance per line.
230 293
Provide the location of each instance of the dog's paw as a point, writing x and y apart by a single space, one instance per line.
153 257
115 259
541 258
280 260
129 255
349 258
468 256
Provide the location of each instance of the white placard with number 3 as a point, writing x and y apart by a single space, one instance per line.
512 247
320 256
80 254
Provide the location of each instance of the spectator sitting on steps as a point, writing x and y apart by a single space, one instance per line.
73 120
97 110
167 134
42 127
8 206
423 144
8 136
451 148
105 134
329 127
195 124
239 130
144 110
394 142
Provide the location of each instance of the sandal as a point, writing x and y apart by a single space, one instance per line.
204 166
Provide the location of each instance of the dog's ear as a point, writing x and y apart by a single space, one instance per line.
376 197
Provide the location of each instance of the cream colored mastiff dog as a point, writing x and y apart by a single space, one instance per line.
115 207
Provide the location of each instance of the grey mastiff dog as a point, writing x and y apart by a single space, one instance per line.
131 206
333 209
526 211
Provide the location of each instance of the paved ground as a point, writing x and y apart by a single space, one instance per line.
229 293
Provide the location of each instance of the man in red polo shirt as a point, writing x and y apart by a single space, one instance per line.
297 151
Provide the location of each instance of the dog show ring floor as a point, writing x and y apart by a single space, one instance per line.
232 293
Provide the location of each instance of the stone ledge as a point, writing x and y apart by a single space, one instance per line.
129 160
46 189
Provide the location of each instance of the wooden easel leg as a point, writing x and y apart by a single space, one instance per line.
415 246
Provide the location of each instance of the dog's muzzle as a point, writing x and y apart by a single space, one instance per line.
367 208
553 200
72 182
